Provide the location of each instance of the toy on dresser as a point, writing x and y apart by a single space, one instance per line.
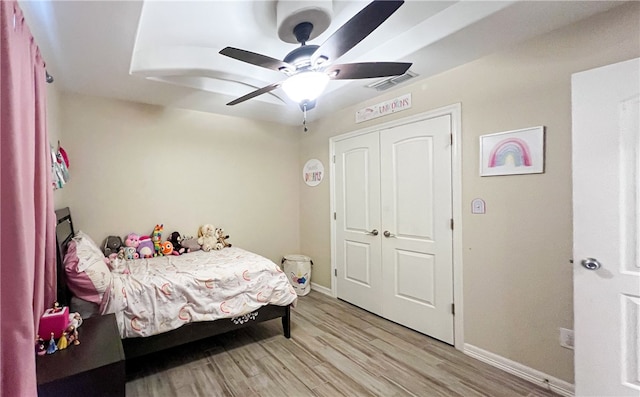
59 324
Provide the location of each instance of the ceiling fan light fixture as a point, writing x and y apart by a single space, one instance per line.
305 86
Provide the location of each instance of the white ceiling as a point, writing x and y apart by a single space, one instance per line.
166 52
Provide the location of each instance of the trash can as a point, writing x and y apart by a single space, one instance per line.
298 271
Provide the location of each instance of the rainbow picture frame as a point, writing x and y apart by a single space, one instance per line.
512 152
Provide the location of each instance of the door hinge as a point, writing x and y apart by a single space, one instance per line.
453 308
334 216
334 159
335 272
451 136
451 223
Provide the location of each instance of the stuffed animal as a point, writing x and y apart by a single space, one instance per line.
145 248
207 238
167 248
178 248
131 242
156 237
112 245
221 237
190 243
130 253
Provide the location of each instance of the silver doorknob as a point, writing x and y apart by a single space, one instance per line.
374 232
388 234
591 264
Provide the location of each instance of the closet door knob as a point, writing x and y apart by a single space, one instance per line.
374 232
388 234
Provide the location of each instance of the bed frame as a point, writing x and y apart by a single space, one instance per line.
136 347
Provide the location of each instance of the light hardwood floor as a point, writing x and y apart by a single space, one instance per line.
335 349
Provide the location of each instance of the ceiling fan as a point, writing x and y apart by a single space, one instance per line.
309 67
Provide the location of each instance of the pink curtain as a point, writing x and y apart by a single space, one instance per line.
27 219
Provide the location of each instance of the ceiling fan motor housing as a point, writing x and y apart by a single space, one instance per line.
301 57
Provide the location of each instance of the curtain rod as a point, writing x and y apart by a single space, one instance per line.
49 77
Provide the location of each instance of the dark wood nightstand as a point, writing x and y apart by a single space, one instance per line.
95 367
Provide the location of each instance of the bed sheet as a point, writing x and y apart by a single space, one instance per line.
151 296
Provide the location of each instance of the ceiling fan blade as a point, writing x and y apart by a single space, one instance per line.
256 59
366 70
255 93
356 29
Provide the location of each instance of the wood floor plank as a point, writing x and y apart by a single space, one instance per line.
285 381
293 364
336 349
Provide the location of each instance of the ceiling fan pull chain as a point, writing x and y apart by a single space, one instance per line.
304 117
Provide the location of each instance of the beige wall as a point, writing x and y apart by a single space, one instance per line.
135 165
517 275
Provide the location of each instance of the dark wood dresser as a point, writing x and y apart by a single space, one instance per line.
95 367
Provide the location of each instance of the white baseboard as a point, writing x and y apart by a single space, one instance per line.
321 289
532 375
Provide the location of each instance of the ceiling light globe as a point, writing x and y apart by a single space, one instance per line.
305 86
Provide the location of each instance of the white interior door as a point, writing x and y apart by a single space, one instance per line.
357 197
417 239
606 205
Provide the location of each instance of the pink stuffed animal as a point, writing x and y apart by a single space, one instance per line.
132 241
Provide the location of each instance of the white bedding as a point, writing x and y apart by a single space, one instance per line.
151 296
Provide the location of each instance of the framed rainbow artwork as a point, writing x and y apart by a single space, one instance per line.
512 152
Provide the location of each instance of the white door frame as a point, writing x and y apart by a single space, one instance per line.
455 112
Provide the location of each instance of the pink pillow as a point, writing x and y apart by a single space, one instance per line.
88 276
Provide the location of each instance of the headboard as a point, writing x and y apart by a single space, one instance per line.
64 234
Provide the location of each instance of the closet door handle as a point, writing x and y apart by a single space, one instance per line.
374 232
387 234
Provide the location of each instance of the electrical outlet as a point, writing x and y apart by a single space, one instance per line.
566 338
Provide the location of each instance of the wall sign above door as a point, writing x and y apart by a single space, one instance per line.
313 172
384 108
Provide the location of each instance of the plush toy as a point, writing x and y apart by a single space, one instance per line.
167 248
207 238
130 253
175 239
222 238
131 242
156 237
190 243
112 245
145 248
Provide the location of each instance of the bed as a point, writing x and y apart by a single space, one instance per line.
168 301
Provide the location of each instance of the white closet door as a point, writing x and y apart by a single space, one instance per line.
357 193
417 239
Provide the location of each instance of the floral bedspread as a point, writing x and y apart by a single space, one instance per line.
151 296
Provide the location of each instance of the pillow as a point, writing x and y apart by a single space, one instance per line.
88 251
88 276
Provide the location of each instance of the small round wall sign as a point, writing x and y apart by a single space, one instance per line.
313 172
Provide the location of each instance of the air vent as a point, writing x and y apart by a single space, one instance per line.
393 81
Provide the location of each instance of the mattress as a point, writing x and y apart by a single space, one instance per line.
151 296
